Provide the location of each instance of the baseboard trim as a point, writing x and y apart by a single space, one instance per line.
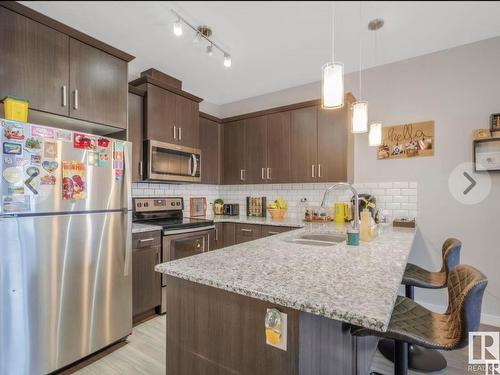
489 319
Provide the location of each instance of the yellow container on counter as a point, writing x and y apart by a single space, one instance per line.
15 109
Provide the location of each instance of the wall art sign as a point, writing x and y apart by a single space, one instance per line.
408 140
73 180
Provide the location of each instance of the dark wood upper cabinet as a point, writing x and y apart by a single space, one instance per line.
160 114
256 150
187 121
98 83
234 153
278 147
332 145
33 63
210 145
135 135
304 144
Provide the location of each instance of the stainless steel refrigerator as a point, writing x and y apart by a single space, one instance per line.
65 240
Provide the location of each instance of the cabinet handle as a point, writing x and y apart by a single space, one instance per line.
313 171
158 257
263 173
268 173
243 174
175 132
319 170
180 134
140 169
75 103
247 230
273 232
146 240
216 234
64 96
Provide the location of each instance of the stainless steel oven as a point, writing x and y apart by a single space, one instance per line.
182 243
171 162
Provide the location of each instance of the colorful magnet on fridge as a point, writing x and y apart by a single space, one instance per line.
50 166
13 175
33 145
103 142
42 132
63 135
13 131
48 179
50 149
16 203
11 148
36 159
31 183
92 158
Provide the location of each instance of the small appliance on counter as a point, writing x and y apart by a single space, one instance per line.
256 207
232 209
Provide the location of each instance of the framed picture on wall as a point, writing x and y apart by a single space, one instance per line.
407 140
495 123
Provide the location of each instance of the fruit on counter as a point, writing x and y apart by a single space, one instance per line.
218 201
279 203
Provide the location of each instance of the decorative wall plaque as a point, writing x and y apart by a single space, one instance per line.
408 140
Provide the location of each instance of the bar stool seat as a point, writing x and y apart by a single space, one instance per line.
412 323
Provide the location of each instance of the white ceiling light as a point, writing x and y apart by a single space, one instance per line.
178 27
360 107
201 32
375 135
227 60
332 85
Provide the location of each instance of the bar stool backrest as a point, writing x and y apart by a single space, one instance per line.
451 255
466 287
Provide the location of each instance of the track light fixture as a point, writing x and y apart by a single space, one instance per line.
201 32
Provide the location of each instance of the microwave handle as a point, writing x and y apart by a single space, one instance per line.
195 165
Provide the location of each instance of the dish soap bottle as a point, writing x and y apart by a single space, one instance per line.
365 227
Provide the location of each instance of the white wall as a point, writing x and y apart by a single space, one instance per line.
458 88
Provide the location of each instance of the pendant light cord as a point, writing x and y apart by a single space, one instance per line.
360 47
333 32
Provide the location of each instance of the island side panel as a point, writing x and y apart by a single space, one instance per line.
326 346
215 332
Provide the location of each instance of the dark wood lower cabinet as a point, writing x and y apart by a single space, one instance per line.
146 282
228 234
247 232
271 230
215 332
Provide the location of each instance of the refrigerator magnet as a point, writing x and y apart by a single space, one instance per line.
63 135
83 141
42 132
73 180
13 175
118 175
11 148
50 166
92 158
33 145
16 203
36 159
48 179
33 180
103 159
103 142
16 190
50 149
13 131
14 161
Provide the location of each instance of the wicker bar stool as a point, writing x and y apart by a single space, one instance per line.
412 323
419 358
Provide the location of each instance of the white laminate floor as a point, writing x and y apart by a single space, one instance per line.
145 355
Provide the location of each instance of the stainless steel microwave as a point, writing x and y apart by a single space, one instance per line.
171 162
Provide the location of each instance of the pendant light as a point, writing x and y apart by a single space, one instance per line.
360 107
332 85
375 135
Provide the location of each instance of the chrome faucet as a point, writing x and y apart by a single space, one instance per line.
356 200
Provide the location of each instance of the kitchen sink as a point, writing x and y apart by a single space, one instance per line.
317 239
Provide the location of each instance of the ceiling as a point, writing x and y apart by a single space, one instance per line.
274 45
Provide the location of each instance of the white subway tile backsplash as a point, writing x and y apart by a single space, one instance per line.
394 198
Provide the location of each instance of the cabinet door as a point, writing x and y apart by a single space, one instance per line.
234 153
187 121
34 63
278 147
229 234
210 145
304 144
146 282
247 232
219 236
160 115
332 145
256 150
98 83
135 125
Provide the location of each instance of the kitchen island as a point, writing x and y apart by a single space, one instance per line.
217 302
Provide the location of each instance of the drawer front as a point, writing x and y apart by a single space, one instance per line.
271 230
247 232
146 239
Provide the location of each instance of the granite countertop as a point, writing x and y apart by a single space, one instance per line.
357 285
141 228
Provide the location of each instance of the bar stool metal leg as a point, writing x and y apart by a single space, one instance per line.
400 358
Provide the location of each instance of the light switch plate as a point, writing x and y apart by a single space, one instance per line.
284 339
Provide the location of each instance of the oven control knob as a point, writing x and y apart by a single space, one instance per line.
139 204
146 204
178 203
172 203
